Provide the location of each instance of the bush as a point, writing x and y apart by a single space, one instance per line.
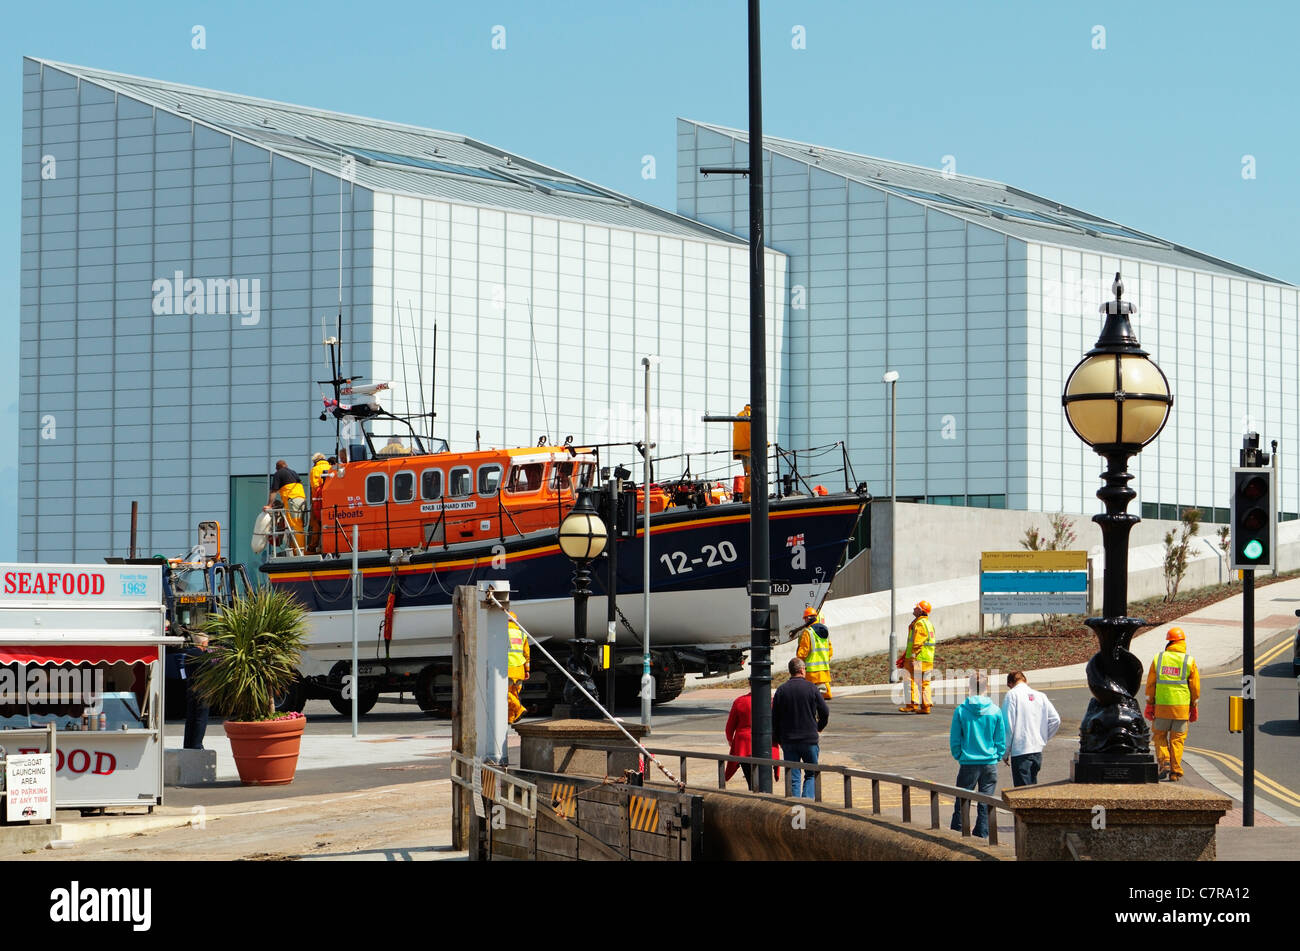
1062 538
1176 549
255 647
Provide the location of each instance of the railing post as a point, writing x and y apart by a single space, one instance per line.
788 787
907 802
965 817
993 825
817 790
875 797
934 809
848 791
722 774
681 762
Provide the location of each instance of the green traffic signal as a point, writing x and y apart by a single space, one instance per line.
1253 549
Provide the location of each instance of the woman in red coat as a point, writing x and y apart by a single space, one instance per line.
739 726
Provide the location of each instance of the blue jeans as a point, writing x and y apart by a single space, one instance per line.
1024 768
970 775
801 753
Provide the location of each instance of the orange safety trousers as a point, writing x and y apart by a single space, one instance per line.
514 705
1169 749
926 693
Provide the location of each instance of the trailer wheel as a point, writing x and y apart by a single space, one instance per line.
294 697
426 693
366 701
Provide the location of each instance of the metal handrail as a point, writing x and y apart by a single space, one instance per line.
848 773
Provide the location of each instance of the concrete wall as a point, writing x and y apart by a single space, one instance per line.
937 542
860 625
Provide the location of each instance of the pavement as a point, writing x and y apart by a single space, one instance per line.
1213 758
384 796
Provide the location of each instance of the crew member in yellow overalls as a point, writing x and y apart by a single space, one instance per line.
319 466
518 664
815 650
287 484
918 659
1173 690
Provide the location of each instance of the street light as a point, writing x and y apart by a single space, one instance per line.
892 379
582 538
1117 401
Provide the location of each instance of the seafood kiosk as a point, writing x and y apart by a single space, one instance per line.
81 648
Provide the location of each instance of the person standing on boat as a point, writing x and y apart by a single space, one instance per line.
518 667
287 486
318 469
815 650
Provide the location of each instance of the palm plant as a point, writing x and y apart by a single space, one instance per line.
254 649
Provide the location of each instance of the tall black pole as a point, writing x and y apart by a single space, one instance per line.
1248 701
760 636
611 586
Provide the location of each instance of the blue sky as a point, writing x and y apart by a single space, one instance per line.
1153 130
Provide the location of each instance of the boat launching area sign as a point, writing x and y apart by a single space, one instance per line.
1034 582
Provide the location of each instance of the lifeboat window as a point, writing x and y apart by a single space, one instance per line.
431 484
376 488
403 486
560 475
459 482
588 471
489 479
526 478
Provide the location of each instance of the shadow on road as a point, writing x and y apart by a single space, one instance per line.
1281 728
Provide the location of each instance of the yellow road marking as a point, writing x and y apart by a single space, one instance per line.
1269 656
1270 786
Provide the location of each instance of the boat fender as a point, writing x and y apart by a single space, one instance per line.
261 530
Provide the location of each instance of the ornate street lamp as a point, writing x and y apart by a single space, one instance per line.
582 538
1117 401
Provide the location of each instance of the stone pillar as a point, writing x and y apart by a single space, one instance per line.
547 746
1151 822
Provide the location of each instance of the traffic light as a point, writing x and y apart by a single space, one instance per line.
1254 518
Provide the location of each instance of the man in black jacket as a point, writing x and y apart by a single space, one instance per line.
799 714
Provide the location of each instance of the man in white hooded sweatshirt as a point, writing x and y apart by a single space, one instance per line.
1031 722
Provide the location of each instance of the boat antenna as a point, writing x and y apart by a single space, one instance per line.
419 355
433 381
541 389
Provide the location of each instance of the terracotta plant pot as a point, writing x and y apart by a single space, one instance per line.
266 751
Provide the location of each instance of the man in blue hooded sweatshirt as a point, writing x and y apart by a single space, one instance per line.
978 739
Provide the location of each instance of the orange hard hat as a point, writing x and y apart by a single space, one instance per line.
923 607
809 612
1175 634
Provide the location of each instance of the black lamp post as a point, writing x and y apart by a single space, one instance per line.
1117 401
582 537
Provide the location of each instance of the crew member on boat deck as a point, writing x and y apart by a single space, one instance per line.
394 447
318 469
287 484
518 666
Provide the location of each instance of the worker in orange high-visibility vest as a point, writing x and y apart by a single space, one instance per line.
518 666
918 660
1173 690
815 650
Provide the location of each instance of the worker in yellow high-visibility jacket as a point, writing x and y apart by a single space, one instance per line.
519 665
319 466
918 660
287 485
1173 691
815 650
